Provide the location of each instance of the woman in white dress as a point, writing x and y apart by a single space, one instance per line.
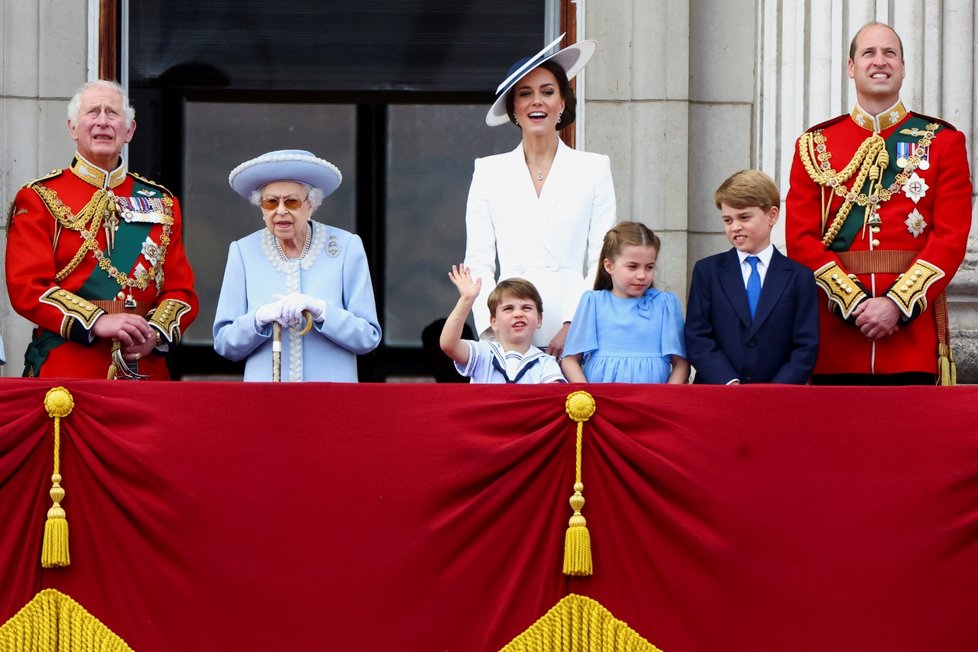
291 266
542 209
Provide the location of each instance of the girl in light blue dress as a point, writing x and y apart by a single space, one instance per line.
626 331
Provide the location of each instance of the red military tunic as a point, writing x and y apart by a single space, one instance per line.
62 274
902 236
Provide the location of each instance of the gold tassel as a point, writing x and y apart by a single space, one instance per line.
947 371
580 407
54 552
577 540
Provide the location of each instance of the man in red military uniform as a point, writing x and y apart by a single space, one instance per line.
95 255
879 207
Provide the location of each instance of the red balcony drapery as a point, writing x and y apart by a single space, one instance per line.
420 517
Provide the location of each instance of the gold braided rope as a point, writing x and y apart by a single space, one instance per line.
62 213
54 550
580 407
93 214
53 622
579 624
872 159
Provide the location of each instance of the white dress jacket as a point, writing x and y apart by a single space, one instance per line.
553 240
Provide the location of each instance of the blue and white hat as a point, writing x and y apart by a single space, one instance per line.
285 165
571 59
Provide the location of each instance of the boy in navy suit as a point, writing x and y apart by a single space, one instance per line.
752 315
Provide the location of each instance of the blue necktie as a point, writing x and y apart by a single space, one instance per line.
753 285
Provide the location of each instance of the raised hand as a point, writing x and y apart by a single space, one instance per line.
461 276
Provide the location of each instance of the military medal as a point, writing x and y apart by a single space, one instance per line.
142 210
903 151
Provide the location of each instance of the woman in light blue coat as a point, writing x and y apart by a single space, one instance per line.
295 265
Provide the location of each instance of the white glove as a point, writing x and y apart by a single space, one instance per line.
268 313
293 304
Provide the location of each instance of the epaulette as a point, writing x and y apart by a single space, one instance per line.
13 204
928 118
830 121
50 175
151 183
10 214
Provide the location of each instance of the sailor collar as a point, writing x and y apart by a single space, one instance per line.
878 123
96 176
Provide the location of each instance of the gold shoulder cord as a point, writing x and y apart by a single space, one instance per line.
871 159
93 212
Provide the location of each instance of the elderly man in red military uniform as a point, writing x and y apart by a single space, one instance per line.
95 255
879 208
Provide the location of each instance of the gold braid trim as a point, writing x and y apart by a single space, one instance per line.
840 288
63 214
912 285
52 622
86 222
871 159
579 624
72 307
167 317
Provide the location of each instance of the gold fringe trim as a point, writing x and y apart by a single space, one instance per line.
53 622
54 552
579 624
580 407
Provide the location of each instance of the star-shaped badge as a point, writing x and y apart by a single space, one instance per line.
915 187
915 223
151 251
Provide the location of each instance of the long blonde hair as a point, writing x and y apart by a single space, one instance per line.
625 234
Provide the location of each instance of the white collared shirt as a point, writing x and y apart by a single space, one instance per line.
764 261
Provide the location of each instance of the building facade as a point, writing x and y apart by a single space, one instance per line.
679 95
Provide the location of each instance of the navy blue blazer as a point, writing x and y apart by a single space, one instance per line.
779 345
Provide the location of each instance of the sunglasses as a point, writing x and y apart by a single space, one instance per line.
271 203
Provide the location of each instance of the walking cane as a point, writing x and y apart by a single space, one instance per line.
277 345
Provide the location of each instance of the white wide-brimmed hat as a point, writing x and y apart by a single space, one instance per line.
571 59
285 165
